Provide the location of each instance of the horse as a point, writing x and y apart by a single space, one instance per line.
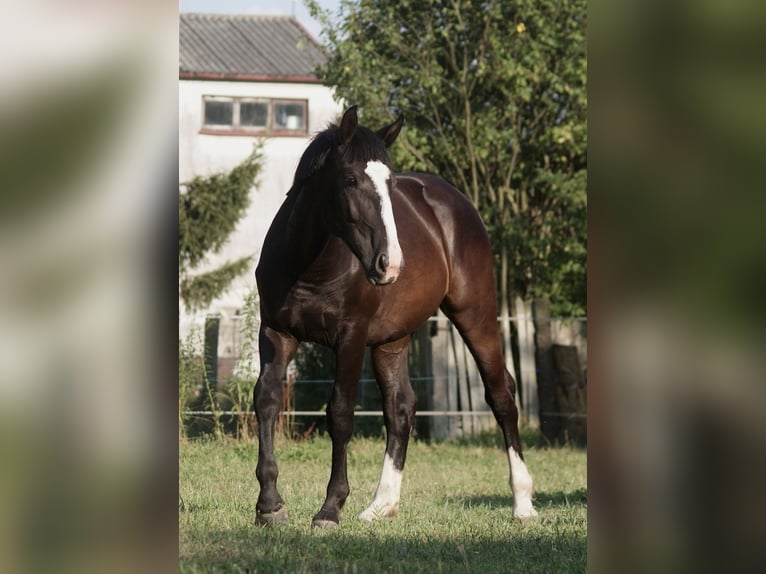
358 256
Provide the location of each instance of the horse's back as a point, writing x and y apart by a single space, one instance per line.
462 229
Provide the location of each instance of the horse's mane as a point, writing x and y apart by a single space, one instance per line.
365 145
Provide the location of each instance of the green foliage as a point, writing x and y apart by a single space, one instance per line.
494 96
195 392
239 389
208 211
191 371
198 291
233 394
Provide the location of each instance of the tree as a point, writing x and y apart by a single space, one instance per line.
208 211
494 99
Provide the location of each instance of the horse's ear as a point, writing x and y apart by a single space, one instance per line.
388 133
348 125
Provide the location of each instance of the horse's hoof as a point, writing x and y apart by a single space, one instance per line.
373 513
279 516
323 524
524 512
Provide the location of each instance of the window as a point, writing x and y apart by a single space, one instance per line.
247 116
288 116
218 113
254 114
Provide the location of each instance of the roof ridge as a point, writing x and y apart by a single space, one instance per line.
236 16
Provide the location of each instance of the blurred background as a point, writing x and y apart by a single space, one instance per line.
677 272
88 239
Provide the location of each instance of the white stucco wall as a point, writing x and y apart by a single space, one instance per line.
202 154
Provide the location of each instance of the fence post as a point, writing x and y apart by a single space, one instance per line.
550 423
531 411
505 327
442 396
572 394
212 324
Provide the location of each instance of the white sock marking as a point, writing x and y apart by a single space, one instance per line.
386 500
380 174
521 485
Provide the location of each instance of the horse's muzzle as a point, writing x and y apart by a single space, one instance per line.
382 272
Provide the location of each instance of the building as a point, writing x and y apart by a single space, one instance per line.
241 78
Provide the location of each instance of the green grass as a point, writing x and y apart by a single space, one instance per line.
454 516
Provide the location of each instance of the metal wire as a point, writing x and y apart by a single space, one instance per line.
372 413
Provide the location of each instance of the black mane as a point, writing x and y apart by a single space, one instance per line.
365 145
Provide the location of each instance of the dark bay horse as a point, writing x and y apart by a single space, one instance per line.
359 256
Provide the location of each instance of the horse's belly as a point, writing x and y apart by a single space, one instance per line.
384 329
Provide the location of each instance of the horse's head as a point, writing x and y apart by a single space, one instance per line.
357 177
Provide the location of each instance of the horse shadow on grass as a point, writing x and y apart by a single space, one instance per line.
287 549
578 497
375 548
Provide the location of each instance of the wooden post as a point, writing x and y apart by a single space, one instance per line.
505 328
571 392
441 427
420 365
212 325
529 399
550 422
461 363
452 381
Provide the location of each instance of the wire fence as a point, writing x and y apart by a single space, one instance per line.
446 381
371 413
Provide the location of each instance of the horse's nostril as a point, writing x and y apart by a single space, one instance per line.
382 263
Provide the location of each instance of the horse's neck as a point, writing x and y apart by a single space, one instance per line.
305 235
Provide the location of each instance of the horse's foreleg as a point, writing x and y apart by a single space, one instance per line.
340 425
276 351
390 365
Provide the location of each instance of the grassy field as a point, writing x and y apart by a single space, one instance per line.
455 512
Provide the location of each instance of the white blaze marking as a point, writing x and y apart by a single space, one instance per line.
379 173
386 500
521 485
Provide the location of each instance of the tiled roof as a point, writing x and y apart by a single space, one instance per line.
275 48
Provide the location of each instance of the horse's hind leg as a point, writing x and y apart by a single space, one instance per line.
477 324
276 351
390 364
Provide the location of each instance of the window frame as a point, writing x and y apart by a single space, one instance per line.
268 130
234 112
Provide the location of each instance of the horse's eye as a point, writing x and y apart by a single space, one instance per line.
350 181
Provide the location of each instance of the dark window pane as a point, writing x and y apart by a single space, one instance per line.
289 117
218 113
253 114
